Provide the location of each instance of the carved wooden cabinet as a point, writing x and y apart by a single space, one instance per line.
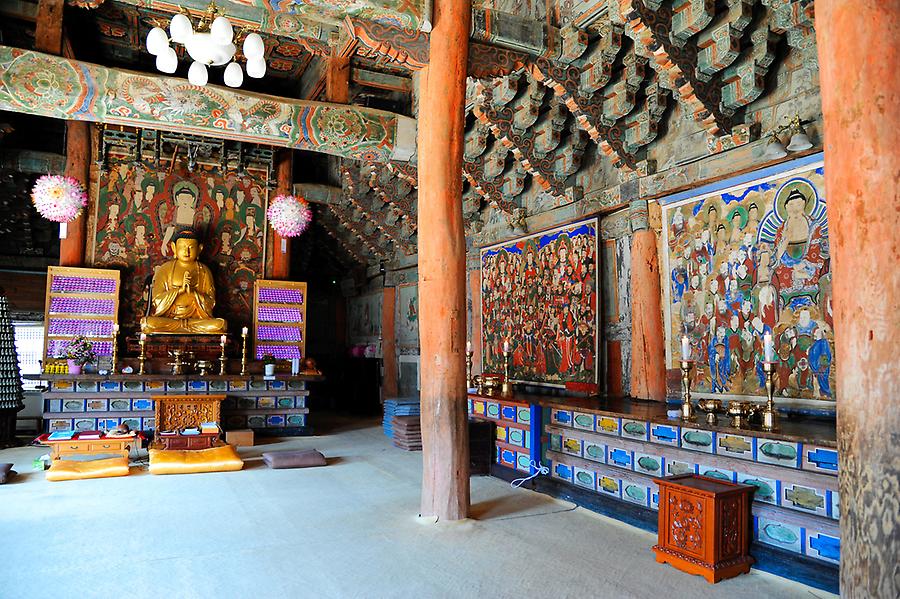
704 526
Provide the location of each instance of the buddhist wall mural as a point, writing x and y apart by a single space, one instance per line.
139 209
364 318
747 261
539 293
407 316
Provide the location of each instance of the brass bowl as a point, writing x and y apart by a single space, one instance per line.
491 383
710 406
739 412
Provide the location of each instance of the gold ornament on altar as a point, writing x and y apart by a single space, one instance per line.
183 294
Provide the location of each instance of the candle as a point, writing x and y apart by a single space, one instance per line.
143 337
685 348
506 346
468 347
223 338
769 347
244 331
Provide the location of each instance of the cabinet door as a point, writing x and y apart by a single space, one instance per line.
685 515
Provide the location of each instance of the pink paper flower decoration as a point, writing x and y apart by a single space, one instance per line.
289 215
58 198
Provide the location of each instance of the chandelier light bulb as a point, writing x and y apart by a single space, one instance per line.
256 67
234 76
197 74
221 31
253 46
167 60
157 41
180 28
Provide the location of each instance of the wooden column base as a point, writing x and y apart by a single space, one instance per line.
720 571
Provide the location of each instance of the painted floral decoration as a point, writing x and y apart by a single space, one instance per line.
289 215
80 351
58 198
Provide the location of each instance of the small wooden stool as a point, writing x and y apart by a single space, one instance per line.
704 526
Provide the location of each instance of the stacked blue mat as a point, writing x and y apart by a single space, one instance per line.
398 406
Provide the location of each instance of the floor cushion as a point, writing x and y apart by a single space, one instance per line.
6 473
77 469
187 461
303 458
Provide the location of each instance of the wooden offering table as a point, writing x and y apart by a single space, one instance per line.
177 412
275 407
102 446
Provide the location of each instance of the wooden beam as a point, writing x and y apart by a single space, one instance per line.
337 80
319 194
377 80
120 97
48 34
442 266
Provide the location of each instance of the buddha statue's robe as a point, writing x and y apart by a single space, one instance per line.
176 311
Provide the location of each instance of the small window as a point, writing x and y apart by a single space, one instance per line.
30 348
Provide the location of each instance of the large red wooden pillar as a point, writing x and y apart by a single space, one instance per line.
648 360
859 46
281 252
442 265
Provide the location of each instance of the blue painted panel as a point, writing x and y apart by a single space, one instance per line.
619 457
824 546
562 471
665 434
824 459
561 417
508 413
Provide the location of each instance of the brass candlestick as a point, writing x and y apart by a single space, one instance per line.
470 383
506 388
143 356
244 355
687 409
222 357
769 413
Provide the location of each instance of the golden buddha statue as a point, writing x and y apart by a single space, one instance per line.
183 293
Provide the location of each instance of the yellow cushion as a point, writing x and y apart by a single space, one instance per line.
74 470
173 461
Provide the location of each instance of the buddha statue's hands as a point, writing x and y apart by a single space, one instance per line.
186 283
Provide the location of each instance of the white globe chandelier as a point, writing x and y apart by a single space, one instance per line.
210 44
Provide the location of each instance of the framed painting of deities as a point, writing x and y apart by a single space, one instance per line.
746 260
540 301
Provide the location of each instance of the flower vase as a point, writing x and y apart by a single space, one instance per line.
269 369
74 368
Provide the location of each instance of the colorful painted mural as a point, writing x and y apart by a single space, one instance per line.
45 85
746 261
137 210
408 316
364 318
540 294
